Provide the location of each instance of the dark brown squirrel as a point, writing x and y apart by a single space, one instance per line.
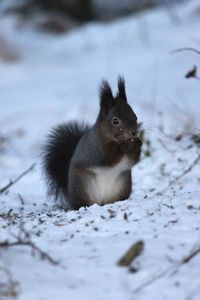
92 164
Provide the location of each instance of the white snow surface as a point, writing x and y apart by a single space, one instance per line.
56 79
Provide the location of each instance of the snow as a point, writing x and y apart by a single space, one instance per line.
56 78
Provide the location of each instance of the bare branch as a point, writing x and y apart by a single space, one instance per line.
23 238
170 270
193 253
12 182
177 178
187 170
185 49
30 244
186 259
152 280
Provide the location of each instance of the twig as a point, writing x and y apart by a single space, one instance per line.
30 244
23 238
165 146
12 182
172 269
186 49
151 280
177 178
187 258
187 170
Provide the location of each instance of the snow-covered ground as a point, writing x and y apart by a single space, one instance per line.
55 79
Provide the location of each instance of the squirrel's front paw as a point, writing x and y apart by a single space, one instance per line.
132 148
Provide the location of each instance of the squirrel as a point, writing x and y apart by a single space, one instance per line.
86 164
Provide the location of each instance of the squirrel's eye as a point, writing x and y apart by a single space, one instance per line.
116 121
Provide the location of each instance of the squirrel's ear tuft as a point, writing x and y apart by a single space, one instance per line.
121 94
106 97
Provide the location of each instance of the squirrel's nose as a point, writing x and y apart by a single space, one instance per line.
130 134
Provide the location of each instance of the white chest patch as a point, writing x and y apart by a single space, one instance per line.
107 182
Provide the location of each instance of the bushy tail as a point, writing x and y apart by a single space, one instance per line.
57 153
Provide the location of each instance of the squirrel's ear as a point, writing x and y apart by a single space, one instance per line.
106 97
121 94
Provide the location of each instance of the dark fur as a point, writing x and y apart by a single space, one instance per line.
57 153
121 89
74 150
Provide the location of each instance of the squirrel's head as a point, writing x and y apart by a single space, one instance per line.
118 121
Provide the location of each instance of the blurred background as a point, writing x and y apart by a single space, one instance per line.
53 55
